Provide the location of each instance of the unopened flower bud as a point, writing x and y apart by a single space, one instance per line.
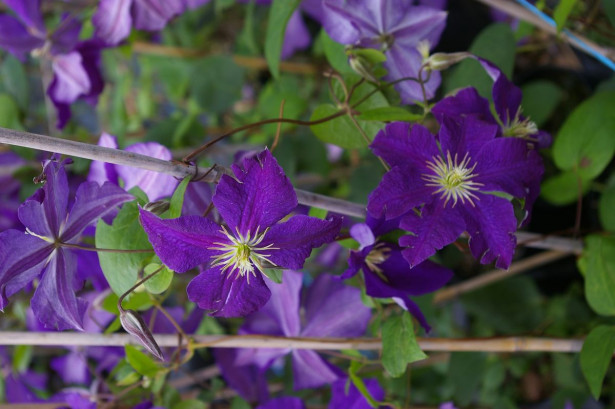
135 326
442 61
362 67
157 207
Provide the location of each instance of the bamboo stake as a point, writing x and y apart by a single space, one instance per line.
181 170
454 291
503 344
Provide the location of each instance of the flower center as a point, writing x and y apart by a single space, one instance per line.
453 179
520 128
242 255
377 256
387 41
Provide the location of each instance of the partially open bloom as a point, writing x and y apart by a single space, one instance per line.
332 309
443 189
49 224
387 274
394 27
252 205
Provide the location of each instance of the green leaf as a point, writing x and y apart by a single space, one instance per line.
9 113
606 206
216 83
585 141
121 269
161 281
388 114
540 98
355 366
465 371
141 362
177 200
15 80
596 356
22 355
399 346
495 43
318 212
599 256
562 11
609 8
190 404
563 189
335 53
287 89
279 14
371 55
274 275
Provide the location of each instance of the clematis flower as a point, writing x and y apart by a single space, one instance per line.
155 185
386 272
114 19
75 64
396 28
347 396
252 205
20 386
285 402
452 184
247 380
39 251
331 310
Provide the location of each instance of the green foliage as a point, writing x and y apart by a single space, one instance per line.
596 356
274 274
141 362
564 188
335 53
585 141
190 404
216 83
161 281
279 14
389 114
22 356
609 9
466 371
606 206
399 346
15 81
9 113
599 259
540 98
495 43
562 11
359 384
121 269
177 200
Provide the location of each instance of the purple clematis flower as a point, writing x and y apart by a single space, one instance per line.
20 386
154 184
24 256
452 183
247 380
114 19
252 205
331 310
386 272
347 396
396 28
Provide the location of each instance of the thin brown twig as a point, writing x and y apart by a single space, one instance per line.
449 293
279 127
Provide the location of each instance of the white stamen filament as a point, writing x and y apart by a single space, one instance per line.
453 179
242 254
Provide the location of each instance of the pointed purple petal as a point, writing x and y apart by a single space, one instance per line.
297 36
29 11
347 22
72 80
54 302
156 185
22 257
403 144
222 296
248 381
66 36
465 102
112 21
310 370
153 15
491 224
72 368
102 172
285 402
333 309
260 197
415 24
183 243
507 99
15 38
91 203
406 63
293 241
461 136
437 227
283 306
400 190
33 212
363 235
353 399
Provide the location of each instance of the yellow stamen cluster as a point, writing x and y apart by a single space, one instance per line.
453 179
377 256
242 255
